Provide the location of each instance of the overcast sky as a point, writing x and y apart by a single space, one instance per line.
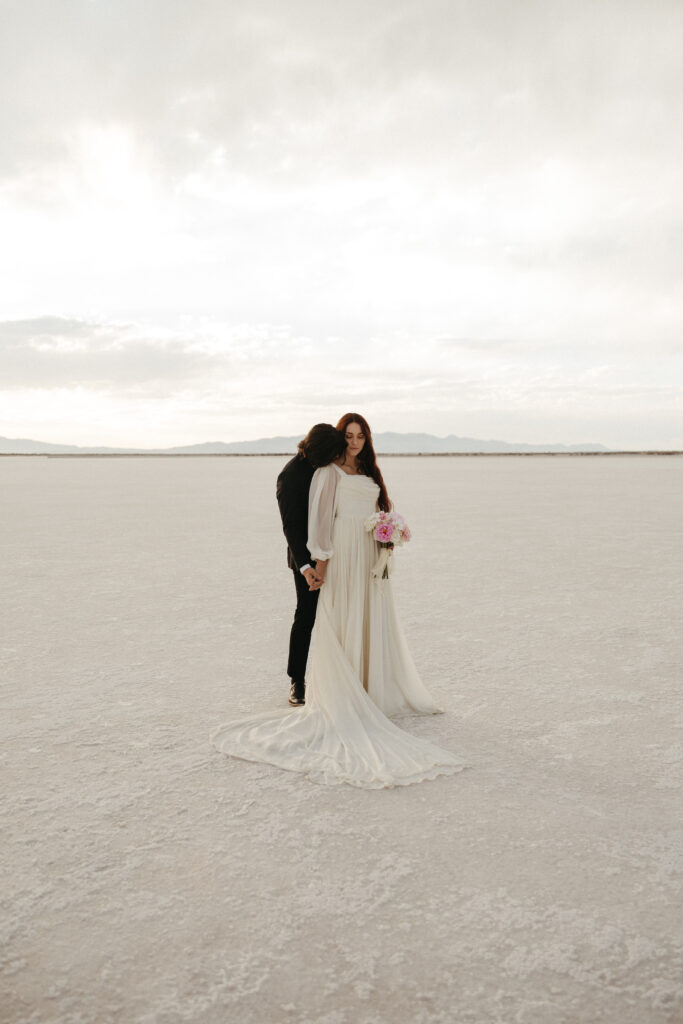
224 220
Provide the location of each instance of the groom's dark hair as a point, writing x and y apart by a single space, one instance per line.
322 445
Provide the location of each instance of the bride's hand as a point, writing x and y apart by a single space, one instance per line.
313 580
321 569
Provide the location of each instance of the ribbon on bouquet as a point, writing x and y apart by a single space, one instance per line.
381 570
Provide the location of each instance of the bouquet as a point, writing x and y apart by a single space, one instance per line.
391 531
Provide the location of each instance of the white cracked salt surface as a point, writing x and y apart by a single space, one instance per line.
148 878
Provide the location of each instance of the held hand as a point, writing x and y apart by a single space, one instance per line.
313 579
321 569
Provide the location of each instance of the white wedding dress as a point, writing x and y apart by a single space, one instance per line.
359 669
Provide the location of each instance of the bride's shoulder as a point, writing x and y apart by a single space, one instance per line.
325 472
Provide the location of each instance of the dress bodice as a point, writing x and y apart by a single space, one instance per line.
335 494
356 496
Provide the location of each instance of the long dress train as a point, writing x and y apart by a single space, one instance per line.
359 670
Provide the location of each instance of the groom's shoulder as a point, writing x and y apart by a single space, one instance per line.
292 468
296 469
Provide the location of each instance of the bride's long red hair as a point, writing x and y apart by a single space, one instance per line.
367 458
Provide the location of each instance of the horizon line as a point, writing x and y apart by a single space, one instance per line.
385 455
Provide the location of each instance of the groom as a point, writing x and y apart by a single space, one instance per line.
321 446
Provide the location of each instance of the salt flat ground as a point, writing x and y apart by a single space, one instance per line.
148 878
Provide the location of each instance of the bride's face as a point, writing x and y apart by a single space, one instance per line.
355 439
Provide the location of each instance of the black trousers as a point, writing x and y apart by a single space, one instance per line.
302 627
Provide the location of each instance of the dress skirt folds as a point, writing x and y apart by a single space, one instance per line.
360 670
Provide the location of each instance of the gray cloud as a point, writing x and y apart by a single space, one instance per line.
458 96
58 352
453 85
68 352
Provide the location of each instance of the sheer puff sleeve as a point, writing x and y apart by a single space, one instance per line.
321 512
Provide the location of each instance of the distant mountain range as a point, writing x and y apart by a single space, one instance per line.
387 443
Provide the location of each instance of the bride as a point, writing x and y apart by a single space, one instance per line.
360 669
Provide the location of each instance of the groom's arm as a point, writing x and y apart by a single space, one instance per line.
294 516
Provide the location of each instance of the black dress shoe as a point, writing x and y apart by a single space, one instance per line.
297 693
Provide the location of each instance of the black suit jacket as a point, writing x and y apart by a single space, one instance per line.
293 485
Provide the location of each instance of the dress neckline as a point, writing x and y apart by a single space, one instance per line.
361 477
352 475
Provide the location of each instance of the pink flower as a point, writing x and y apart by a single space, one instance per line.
385 532
406 533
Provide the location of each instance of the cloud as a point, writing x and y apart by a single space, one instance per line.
294 92
50 351
429 206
